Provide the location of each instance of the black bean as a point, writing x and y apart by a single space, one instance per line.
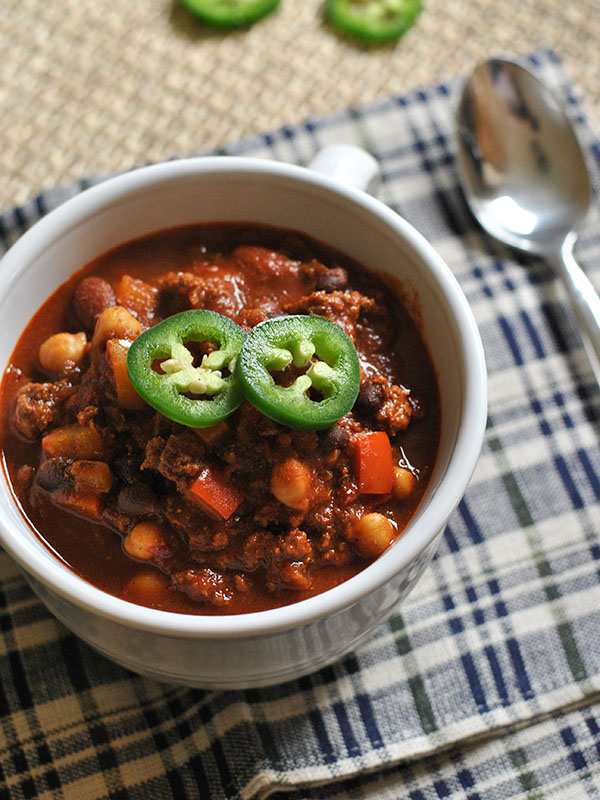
336 438
51 474
371 397
137 499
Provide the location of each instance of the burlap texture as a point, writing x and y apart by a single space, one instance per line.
91 87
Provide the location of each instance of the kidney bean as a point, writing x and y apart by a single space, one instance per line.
90 299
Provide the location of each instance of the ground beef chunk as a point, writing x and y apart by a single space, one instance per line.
137 297
288 561
264 263
285 558
396 411
118 520
97 389
87 415
305 442
343 308
38 405
332 548
223 296
251 453
255 549
294 546
387 405
249 317
178 458
294 575
205 584
87 394
312 270
180 291
190 521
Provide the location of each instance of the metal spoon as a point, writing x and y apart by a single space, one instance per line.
525 178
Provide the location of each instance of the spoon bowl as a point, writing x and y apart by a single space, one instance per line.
522 166
525 177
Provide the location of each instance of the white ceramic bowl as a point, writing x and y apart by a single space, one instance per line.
270 646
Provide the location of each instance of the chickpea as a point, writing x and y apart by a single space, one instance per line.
144 541
63 352
115 323
145 584
291 483
404 483
373 533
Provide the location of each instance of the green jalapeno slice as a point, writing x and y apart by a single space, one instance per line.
162 370
230 13
319 395
376 21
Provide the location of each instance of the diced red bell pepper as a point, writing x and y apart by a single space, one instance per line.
373 460
215 493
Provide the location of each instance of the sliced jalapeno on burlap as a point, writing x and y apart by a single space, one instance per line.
320 395
197 395
376 21
231 13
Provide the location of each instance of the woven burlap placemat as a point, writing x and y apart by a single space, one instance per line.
95 87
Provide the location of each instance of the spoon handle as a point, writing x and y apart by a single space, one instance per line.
584 299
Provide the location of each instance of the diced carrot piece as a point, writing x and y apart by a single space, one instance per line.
373 457
92 476
217 495
84 504
74 441
137 296
127 397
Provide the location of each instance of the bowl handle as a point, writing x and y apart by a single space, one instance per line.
349 165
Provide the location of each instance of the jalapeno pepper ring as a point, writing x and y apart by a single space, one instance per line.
231 13
194 395
375 21
311 342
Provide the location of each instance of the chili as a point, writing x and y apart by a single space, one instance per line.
245 514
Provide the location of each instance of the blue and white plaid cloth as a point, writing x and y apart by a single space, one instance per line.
485 684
